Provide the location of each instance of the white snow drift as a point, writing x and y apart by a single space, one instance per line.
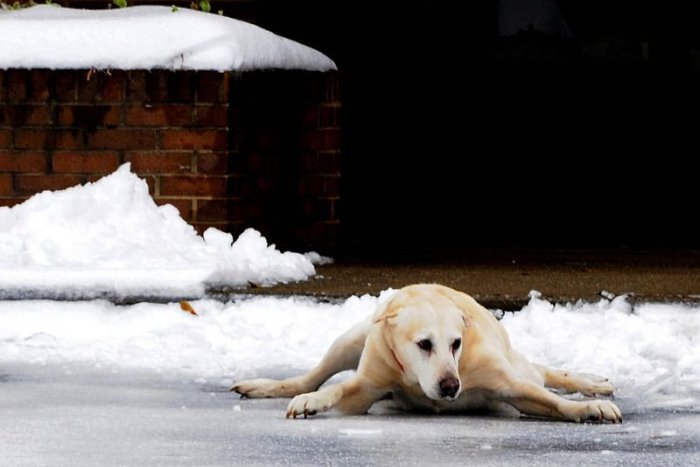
110 237
145 37
651 352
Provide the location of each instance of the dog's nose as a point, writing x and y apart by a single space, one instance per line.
449 386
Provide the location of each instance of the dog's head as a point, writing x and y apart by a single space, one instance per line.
424 331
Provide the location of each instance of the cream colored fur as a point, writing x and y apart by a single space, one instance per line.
469 364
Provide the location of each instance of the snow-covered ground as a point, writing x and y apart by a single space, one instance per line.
110 238
651 352
145 37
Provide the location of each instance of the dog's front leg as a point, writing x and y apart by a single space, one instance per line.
352 397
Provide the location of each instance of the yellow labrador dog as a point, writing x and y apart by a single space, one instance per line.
433 348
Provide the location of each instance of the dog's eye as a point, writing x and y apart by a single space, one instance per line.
456 344
425 345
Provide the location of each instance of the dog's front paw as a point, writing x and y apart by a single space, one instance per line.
598 411
308 404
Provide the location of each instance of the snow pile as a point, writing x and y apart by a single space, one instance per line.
651 353
110 237
145 37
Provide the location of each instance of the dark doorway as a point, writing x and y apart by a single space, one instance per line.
457 137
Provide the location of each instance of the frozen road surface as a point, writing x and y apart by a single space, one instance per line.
68 415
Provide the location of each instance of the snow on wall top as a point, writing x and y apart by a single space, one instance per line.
145 37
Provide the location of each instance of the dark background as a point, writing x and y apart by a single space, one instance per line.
511 124
508 124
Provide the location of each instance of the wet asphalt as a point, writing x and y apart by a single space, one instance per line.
72 416
504 279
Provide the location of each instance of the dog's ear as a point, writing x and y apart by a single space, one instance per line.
387 311
385 314
463 301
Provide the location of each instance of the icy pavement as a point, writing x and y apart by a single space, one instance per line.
91 383
71 415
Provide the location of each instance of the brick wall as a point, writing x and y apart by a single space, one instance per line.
287 157
231 151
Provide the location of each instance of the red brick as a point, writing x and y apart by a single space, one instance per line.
5 138
211 116
241 186
112 86
254 161
88 116
5 185
322 140
328 117
31 184
309 162
156 86
87 86
213 210
213 163
266 140
318 209
332 188
326 163
311 117
85 162
65 85
184 206
136 86
326 87
122 139
40 89
322 233
152 183
265 185
204 186
312 186
47 139
160 115
329 163
180 86
9 202
23 161
320 186
23 115
160 162
246 210
212 87
194 139
236 163
16 85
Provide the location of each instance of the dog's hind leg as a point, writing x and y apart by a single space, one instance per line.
570 382
344 354
532 399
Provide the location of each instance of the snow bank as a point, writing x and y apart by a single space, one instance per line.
145 37
651 353
109 237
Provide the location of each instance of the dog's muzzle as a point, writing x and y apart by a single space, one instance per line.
449 387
